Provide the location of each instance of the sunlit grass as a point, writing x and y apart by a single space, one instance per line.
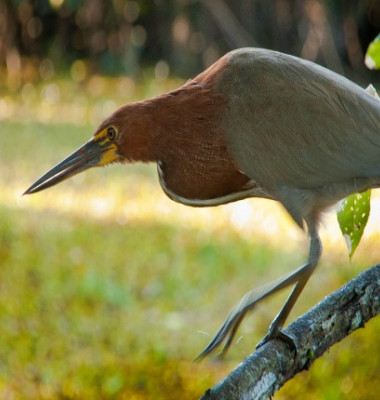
108 289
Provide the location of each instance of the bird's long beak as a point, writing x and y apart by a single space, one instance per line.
94 153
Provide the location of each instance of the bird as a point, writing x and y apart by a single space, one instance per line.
256 123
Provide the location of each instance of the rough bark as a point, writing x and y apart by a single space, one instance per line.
262 373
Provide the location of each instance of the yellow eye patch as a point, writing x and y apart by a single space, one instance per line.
109 152
109 155
102 137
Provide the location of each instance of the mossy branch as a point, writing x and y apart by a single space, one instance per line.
262 373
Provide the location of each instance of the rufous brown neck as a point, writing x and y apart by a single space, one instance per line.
181 131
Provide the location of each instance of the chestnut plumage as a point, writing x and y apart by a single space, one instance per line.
257 123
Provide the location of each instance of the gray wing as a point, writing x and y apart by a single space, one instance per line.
291 122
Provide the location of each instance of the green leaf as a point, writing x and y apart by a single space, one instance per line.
353 217
372 57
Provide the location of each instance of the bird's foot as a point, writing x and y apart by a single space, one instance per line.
225 334
277 333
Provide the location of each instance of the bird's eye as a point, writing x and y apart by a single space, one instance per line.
111 133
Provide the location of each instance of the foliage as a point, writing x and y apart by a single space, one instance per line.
372 57
352 217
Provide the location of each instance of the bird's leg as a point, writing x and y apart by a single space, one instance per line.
303 276
299 278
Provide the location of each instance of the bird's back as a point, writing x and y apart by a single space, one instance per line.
293 123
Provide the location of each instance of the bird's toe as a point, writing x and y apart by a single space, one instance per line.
277 334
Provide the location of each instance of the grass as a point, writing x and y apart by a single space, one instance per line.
106 285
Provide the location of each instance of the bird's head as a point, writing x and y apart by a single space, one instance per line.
102 149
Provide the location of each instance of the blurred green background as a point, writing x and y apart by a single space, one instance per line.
108 289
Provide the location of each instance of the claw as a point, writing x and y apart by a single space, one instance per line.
277 335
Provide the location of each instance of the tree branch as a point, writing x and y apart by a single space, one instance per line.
262 373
